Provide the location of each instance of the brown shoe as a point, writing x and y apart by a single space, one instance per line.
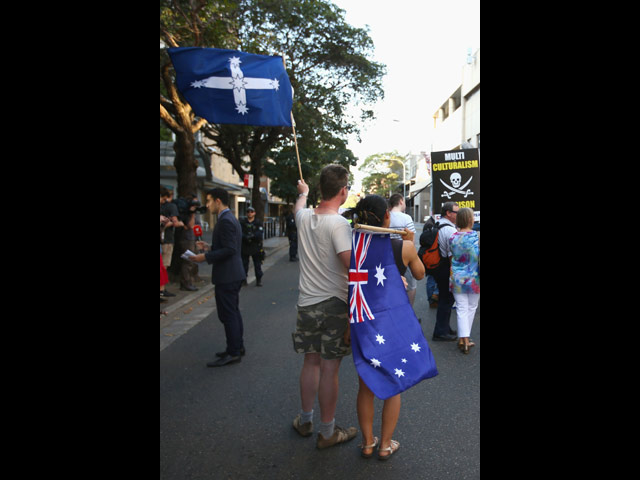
304 429
340 435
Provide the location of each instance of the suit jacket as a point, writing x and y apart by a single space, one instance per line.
226 246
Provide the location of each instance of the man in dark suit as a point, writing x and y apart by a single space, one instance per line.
227 274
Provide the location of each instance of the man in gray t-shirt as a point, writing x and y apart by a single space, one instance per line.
322 323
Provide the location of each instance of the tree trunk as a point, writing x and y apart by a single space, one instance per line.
186 164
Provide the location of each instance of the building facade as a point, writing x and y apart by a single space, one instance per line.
215 171
456 125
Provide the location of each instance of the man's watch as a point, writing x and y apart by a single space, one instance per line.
303 195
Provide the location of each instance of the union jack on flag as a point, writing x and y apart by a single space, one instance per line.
358 305
389 349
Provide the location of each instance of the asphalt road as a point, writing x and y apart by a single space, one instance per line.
234 422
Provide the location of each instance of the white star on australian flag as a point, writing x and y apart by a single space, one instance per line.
380 275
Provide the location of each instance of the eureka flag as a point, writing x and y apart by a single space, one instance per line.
229 86
389 349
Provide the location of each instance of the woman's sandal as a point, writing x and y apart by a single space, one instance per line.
362 447
392 448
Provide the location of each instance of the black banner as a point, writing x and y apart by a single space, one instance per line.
456 178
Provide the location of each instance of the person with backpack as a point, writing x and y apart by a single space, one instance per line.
446 227
432 287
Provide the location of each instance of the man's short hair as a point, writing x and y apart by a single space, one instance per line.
447 207
332 178
164 191
220 193
395 199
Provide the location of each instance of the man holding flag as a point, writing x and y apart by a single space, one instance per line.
322 325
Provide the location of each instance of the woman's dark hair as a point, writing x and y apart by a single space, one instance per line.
369 211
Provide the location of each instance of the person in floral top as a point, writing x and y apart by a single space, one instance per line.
464 280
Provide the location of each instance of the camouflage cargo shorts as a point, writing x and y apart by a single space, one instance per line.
320 329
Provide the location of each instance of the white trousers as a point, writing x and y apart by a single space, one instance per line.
466 305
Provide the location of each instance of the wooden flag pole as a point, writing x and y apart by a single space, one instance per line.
293 125
378 229
295 139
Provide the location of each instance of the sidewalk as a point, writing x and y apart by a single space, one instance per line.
205 287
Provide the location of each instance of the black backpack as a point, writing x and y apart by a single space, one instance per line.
429 251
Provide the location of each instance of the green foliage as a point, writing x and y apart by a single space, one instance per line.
384 173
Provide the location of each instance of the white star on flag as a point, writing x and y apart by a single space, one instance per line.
375 362
404 360
238 83
399 372
380 275
415 347
380 339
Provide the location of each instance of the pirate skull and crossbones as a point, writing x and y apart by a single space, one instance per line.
456 180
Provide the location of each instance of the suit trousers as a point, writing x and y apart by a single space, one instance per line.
228 305
445 300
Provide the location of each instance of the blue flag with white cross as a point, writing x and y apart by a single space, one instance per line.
230 86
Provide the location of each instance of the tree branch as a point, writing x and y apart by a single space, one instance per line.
169 38
171 88
198 125
168 119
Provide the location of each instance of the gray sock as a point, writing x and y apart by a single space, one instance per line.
306 417
326 429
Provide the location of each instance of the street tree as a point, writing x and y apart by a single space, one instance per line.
187 23
328 66
384 173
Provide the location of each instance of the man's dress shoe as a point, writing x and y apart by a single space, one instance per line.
444 338
222 354
222 361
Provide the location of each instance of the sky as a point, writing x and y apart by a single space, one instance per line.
424 45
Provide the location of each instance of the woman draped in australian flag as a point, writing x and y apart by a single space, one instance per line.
389 349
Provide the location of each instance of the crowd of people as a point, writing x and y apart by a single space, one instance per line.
322 237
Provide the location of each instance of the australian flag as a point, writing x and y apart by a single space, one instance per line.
389 349
229 86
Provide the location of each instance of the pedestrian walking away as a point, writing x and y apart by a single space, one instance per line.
442 330
432 286
227 274
464 280
322 325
